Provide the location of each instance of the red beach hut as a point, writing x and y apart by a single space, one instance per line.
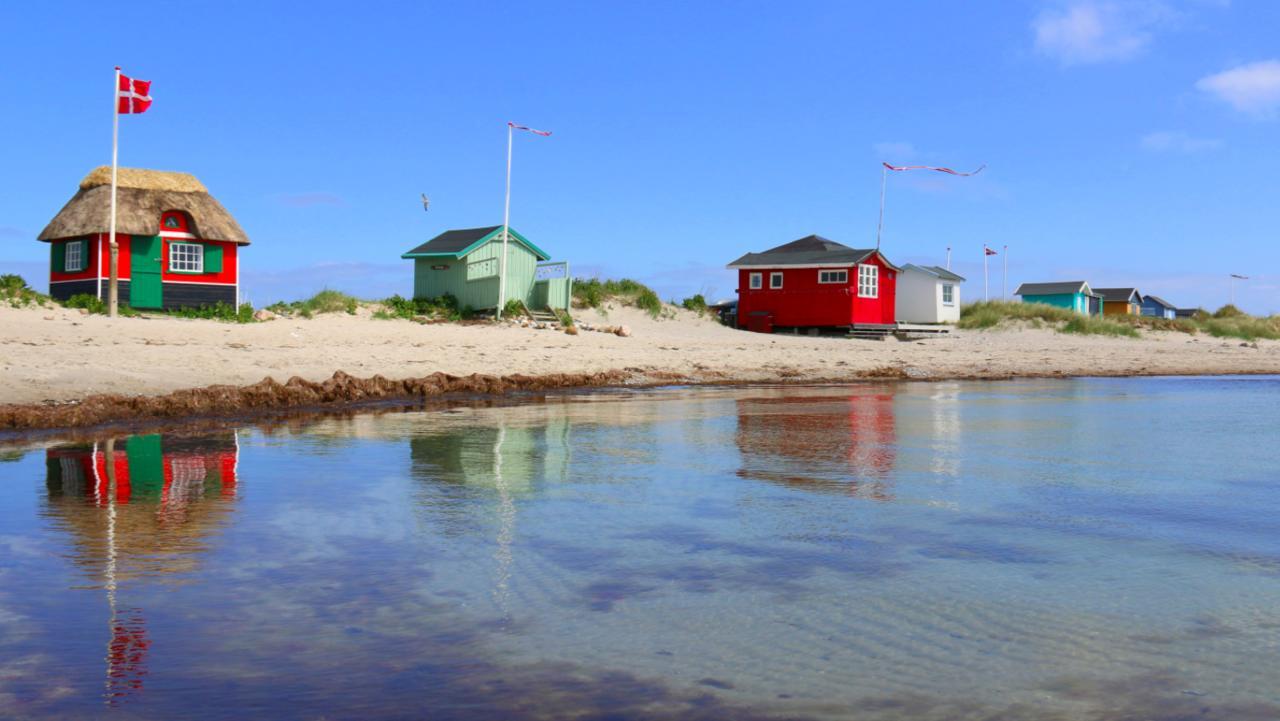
815 283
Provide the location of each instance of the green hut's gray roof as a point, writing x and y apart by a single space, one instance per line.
934 270
811 250
460 242
1066 287
1119 294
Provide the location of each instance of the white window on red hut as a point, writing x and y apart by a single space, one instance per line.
868 281
755 281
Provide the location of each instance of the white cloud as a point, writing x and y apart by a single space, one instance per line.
1252 88
1095 32
894 150
1174 141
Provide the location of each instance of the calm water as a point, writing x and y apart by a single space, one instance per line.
1087 549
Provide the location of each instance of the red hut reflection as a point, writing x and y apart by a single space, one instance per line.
140 508
837 444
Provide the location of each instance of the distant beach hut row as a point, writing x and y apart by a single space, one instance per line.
1077 296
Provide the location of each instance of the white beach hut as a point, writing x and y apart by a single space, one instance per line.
928 294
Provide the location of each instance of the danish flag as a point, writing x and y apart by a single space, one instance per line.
990 251
134 96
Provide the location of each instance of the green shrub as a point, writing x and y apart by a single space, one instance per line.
1228 311
513 308
446 307
649 302
695 303
218 311
88 301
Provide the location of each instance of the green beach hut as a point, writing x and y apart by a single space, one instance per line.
465 263
1074 295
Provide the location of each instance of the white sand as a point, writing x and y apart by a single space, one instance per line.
58 354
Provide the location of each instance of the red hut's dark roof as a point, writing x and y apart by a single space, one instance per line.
811 250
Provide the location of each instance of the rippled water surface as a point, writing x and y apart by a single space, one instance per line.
1083 549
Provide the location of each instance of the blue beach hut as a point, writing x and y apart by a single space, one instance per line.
1074 295
1157 307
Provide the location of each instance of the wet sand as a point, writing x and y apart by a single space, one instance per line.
65 369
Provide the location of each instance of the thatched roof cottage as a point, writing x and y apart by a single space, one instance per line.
178 246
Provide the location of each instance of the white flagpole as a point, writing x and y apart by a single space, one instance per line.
948 257
884 177
1004 277
1231 283
986 285
113 276
506 231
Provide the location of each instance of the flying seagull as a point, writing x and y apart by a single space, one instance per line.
426 202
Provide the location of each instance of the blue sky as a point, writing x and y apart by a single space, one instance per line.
1127 143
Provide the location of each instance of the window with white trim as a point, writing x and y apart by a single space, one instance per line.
833 276
186 258
74 262
775 280
948 294
868 281
755 281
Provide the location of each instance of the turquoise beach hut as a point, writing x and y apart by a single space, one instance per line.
1074 295
465 263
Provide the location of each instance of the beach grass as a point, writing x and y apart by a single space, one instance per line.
444 307
15 291
326 301
594 293
991 313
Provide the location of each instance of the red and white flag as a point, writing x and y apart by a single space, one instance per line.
989 251
134 96
543 133
930 167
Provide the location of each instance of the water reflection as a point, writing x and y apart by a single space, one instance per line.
834 444
137 509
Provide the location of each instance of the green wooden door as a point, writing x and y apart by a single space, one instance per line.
144 272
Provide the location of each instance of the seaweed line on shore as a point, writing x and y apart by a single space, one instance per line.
343 392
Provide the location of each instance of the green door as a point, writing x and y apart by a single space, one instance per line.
144 272
146 465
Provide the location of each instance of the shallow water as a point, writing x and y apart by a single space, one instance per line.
1074 549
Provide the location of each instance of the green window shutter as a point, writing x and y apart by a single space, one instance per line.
212 258
58 258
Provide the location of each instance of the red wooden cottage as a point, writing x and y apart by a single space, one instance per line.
815 283
178 246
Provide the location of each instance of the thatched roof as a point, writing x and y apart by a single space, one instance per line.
141 196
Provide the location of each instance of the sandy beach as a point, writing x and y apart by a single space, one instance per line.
60 355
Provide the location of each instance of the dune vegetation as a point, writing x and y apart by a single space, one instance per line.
1227 322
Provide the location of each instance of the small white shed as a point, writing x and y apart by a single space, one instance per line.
928 294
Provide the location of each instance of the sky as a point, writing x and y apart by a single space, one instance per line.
1125 143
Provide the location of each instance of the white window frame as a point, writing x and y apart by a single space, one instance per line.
777 274
79 246
828 277
192 260
948 287
868 281
755 281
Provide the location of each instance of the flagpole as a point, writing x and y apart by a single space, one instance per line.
113 273
506 231
986 285
948 257
884 177
1231 283
1004 276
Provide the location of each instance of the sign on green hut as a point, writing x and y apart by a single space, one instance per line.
467 264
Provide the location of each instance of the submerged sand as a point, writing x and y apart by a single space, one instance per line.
59 355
